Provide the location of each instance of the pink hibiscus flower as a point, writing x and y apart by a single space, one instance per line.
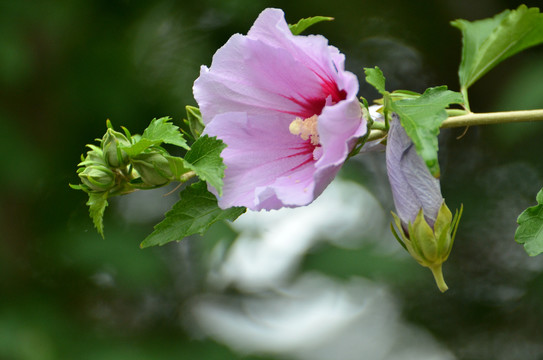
286 109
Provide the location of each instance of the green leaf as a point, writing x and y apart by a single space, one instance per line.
178 166
488 42
159 131
163 130
303 24
421 119
195 122
530 227
194 213
205 159
376 78
97 205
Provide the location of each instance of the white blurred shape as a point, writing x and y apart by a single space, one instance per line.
146 206
271 244
316 318
308 316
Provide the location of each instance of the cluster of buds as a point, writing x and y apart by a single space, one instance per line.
425 224
110 168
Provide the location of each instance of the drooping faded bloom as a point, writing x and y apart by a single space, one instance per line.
413 187
287 111
424 222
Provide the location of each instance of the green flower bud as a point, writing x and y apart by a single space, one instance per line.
153 168
112 143
430 246
95 156
97 177
194 120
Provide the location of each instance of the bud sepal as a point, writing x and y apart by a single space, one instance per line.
430 247
194 121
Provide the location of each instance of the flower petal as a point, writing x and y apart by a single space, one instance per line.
248 75
339 127
267 166
413 187
313 50
272 70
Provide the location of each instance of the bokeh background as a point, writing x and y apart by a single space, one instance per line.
323 282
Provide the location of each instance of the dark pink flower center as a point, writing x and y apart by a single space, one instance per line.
313 106
305 123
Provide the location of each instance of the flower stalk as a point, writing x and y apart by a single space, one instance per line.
502 117
459 118
437 271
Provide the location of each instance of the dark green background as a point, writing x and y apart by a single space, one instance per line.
67 66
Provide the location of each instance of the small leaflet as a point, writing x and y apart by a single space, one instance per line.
159 131
530 227
375 77
204 158
97 205
194 213
303 24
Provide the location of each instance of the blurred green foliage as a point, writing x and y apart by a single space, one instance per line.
67 66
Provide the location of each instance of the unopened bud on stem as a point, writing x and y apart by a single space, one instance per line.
94 172
153 168
425 225
112 143
97 177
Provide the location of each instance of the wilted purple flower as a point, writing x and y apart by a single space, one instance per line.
286 109
425 224
413 186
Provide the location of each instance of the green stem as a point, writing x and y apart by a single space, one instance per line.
437 271
386 107
464 92
378 126
504 117
187 176
473 119
376 134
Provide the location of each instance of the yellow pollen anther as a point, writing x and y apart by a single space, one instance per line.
305 128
